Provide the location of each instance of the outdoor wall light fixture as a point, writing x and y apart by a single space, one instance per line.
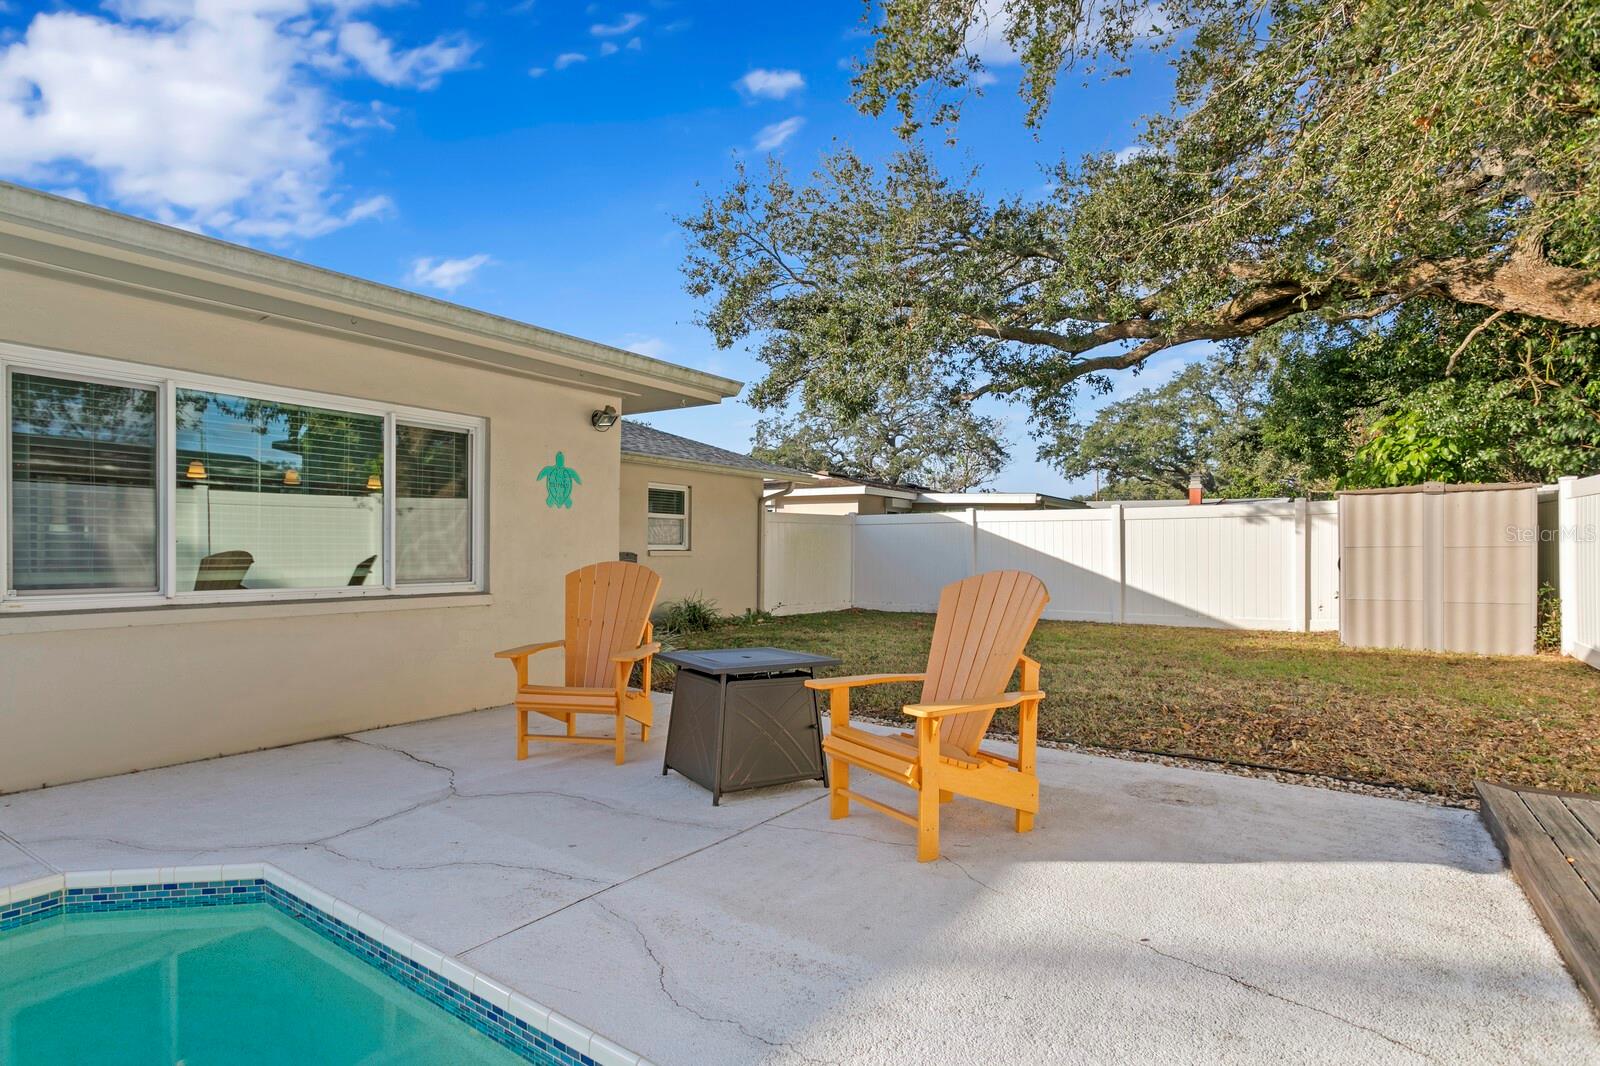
604 418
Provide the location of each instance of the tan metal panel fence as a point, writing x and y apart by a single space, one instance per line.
1440 567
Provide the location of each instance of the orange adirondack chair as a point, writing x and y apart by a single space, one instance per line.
608 630
984 623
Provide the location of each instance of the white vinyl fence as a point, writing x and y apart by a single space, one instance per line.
806 559
1578 528
1256 566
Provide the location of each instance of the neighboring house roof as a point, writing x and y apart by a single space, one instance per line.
997 499
1210 501
650 444
839 480
78 242
833 486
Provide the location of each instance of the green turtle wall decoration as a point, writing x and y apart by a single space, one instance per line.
559 479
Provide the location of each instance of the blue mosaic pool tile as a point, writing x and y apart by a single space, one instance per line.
163 896
530 1043
22 912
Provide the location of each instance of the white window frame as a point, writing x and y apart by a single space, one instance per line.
688 510
24 359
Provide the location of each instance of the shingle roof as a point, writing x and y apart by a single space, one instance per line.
639 439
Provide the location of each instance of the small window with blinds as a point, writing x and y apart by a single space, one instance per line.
667 518
433 505
273 495
83 496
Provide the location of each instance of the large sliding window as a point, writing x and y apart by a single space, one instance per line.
127 485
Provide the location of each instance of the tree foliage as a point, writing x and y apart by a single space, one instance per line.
1437 392
1334 159
1434 392
1205 420
911 436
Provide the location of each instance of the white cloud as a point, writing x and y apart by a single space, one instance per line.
986 33
210 114
419 68
537 72
634 45
608 48
374 114
654 347
447 275
626 24
772 84
773 136
566 59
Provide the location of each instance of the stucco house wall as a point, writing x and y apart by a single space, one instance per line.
722 562
88 694
104 686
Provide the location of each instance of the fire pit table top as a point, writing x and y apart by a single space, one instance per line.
736 661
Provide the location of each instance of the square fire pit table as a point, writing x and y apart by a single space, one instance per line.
743 718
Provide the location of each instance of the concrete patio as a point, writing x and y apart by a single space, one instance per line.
1156 914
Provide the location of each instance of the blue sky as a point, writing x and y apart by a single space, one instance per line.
526 158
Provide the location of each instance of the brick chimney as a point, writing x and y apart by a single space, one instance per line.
1197 488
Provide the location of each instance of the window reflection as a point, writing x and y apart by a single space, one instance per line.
276 496
433 516
83 485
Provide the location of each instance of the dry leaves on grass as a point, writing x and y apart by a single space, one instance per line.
1291 701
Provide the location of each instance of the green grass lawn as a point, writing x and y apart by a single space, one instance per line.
1294 701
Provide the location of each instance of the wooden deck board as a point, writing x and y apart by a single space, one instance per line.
1555 856
1578 846
1586 811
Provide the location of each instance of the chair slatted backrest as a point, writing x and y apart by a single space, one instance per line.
224 571
983 625
608 606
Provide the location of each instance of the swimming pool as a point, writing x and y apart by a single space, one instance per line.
245 984
247 968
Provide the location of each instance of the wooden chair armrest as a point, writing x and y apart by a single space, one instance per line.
942 710
636 654
828 684
529 649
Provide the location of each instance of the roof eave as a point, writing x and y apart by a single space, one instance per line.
49 233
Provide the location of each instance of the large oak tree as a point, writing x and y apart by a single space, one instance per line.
1335 158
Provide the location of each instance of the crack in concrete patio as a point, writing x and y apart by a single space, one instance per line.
1253 987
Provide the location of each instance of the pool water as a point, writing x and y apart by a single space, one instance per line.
195 987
